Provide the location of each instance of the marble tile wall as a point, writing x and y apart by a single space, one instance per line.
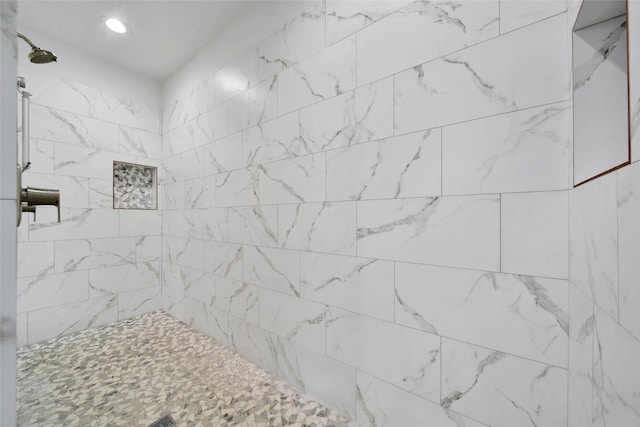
99 264
373 203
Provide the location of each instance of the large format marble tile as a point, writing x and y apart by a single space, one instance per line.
276 269
581 333
364 114
468 85
528 150
238 188
60 126
629 247
206 319
139 142
222 155
405 357
403 166
140 222
116 109
253 106
502 390
425 30
380 403
186 252
518 13
211 224
71 255
115 280
87 162
62 320
179 223
257 225
346 17
74 190
75 224
294 319
298 180
272 140
451 231
148 248
200 286
331 382
521 315
181 167
139 302
56 92
239 299
593 237
37 292
534 234
318 227
254 343
616 374
35 258
200 192
327 74
361 285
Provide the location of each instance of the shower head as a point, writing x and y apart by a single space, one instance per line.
37 55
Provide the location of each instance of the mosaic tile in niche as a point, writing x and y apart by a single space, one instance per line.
134 186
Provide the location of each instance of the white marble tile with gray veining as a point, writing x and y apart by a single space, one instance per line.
426 30
115 280
85 254
253 106
100 193
140 222
202 287
38 292
59 126
346 17
175 112
185 252
450 231
177 277
254 343
242 73
518 13
222 155
534 236
403 166
178 223
272 140
409 359
364 114
531 313
257 225
139 302
57 92
205 319
331 382
300 37
181 167
593 239
212 224
200 192
380 403
298 180
294 319
275 269
467 85
361 285
87 162
116 109
238 298
528 150
319 227
616 377
75 224
581 333
329 73
74 190
41 153
629 247
35 258
173 302
172 196
501 390
148 248
223 259
238 188
139 142
62 320
210 126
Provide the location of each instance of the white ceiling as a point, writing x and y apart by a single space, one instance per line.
162 35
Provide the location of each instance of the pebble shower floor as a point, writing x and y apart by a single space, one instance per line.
133 372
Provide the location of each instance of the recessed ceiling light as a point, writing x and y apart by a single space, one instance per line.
116 25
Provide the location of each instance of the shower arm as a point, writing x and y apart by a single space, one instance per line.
25 38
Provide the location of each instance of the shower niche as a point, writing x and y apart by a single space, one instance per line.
600 90
134 186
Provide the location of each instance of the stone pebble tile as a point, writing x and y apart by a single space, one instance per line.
135 371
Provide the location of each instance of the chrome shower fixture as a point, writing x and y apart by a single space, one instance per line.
37 55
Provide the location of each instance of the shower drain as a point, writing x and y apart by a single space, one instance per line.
165 421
